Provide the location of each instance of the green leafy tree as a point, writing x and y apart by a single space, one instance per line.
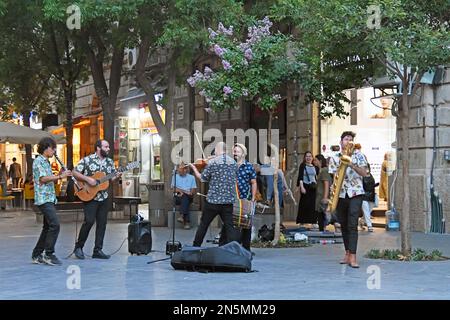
105 30
171 40
254 70
24 81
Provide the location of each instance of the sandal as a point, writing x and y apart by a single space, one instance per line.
354 265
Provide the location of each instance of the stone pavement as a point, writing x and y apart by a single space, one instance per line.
286 274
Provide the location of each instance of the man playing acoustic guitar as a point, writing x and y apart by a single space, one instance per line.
95 210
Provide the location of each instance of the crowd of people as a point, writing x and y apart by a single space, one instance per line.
230 178
255 182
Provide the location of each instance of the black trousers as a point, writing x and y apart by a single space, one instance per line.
245 237
210 211
94 212
50 230
348 210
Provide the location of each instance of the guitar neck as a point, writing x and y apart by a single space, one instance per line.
107 177
122 169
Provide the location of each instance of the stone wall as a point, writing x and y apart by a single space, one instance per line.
421 133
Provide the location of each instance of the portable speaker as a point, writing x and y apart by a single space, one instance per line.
139 237
172 247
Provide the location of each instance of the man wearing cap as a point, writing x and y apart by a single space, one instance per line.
247 187
185 189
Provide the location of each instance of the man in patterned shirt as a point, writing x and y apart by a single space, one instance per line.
220 172
247 186
95 210
350 198
45 200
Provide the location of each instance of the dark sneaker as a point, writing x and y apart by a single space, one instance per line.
79 253
37 259
51 260
100 255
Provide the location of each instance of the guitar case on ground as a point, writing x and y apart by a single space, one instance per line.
231 257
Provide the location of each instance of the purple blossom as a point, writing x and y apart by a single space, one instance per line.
191 81
197 76
243 46
248 54
208 99
245 92
208 72
225 31
256 33
226 65
202 93
212 33
218 50
227 90
208 110
276 97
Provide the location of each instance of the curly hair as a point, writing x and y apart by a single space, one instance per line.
45 143
348 133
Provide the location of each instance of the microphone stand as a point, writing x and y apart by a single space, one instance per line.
171 245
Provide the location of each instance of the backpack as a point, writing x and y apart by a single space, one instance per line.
369 186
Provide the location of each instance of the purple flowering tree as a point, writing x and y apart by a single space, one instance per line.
253 70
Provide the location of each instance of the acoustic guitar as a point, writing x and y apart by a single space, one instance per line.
86 192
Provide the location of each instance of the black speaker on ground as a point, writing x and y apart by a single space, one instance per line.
140 237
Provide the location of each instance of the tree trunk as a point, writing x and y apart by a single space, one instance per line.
68 125
167 144
28 151
276 238
405 214
164 129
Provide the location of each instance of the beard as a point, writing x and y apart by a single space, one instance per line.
103 153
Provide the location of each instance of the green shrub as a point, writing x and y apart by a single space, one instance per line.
418 254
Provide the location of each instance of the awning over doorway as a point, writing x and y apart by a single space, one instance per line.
13 133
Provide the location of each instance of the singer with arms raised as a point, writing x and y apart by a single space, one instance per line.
350 196
95 210
45 200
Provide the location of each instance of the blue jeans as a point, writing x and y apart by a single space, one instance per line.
185 202
50 230
270 192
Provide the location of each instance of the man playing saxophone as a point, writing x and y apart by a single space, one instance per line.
350 196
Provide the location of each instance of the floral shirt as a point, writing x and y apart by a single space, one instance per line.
353 182
221 175
92 164
246 173
43 192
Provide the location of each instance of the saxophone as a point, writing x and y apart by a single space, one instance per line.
339 176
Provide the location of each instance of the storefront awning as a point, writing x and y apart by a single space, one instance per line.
13 133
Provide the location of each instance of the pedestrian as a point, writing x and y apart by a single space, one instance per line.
323 189
15 173
3 182
369 197
306 185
